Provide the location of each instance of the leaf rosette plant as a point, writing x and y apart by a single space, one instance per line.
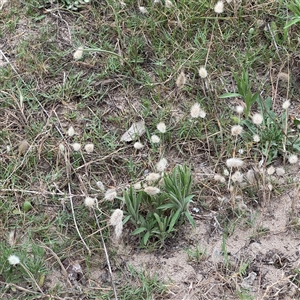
156 216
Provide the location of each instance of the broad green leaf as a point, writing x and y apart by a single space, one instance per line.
190 218
294 21
139 230
166 206
146 238
174 220
230 95
126 219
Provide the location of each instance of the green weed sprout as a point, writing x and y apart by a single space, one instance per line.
244 91
155 214
294 6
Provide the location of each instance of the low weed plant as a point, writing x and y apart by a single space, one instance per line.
156 216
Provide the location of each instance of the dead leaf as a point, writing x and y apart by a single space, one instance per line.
136 130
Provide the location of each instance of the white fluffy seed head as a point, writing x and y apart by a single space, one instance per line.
271 170
286 104
152 177
71 131
151 190
181 80
219 178
155 139
257 119
195 110
256 138
76 146
110 194
89 148
89 201
118 230
61 148
236 130
161 126
219 7
239 109
202 114
168 4
138 145
138 186
100 186
237 177
78 53
250 176
143 9
161 165
234 162
280 171
293 159
13 260
202 72
225 172
116 217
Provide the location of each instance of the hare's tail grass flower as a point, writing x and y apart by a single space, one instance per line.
203 72
152 177
280 171
116 221
89 202
143 10
219 7
197 111
13 260
76 146
286 104
237 177
116 217
181 80
293 159
219 178
250 175
168 4
236 130
257 119
155 139
138 186
161 126
234 162
110 194
239 109
61 148
78 53
138 145
256 138
151 190
118 230
89 148
271 170
100 186
71 131
161 165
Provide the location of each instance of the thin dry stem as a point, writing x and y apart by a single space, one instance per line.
107 257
